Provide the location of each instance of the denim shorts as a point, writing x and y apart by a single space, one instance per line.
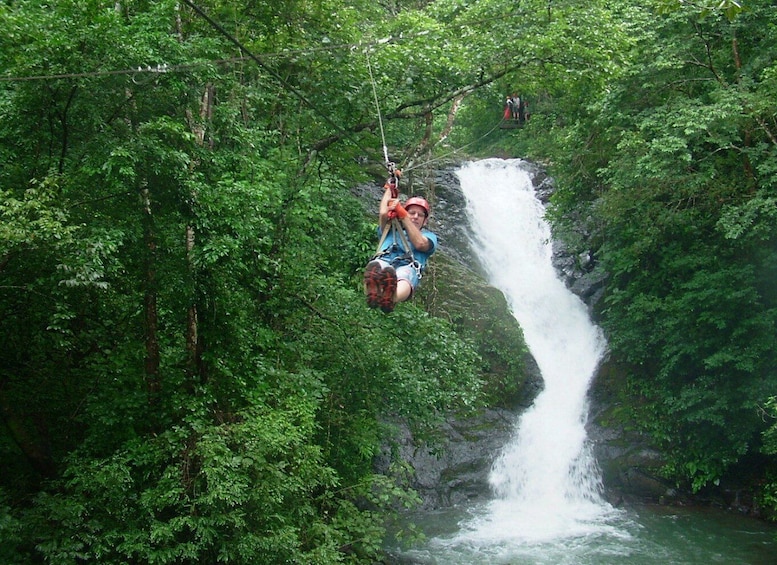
407 273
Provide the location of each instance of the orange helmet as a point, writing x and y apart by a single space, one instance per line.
418 201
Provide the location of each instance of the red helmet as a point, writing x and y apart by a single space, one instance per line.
418 201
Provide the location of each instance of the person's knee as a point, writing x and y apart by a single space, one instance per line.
404 290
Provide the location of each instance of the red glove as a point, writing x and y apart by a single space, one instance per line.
396 210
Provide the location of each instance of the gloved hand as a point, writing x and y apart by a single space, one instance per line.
396 210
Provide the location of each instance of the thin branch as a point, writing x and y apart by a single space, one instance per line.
98 199
426 105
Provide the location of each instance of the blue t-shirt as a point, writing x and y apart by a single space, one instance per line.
421 256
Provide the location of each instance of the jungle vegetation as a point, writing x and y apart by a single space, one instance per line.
188 371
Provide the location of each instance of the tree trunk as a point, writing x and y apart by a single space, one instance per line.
193 342
152 361
193 345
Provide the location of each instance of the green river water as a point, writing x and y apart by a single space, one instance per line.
638 535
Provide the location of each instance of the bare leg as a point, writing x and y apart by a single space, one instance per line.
404 290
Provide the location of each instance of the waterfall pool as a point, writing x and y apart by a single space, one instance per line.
636 535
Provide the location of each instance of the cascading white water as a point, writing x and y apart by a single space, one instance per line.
546 480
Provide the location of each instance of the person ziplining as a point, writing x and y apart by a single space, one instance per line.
396 269
394 272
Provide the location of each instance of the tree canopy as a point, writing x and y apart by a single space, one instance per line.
189 372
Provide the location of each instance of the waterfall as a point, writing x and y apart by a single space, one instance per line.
546 481
547 508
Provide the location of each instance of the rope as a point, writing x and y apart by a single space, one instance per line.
393 181
377 107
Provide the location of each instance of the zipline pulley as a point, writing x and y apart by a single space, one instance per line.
392 182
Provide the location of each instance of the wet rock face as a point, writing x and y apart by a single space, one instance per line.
449 219
455 470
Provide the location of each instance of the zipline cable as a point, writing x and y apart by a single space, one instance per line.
394 177
159 69
377 107
454 151
392 183
165 68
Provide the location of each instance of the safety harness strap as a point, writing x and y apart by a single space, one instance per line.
395 227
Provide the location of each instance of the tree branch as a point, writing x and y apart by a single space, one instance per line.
402 112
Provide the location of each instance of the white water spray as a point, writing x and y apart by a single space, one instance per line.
546 481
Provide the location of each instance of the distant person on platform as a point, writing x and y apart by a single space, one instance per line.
406 245
508 113
516 104
522 110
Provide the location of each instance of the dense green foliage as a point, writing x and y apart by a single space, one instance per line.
189 372
674 163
